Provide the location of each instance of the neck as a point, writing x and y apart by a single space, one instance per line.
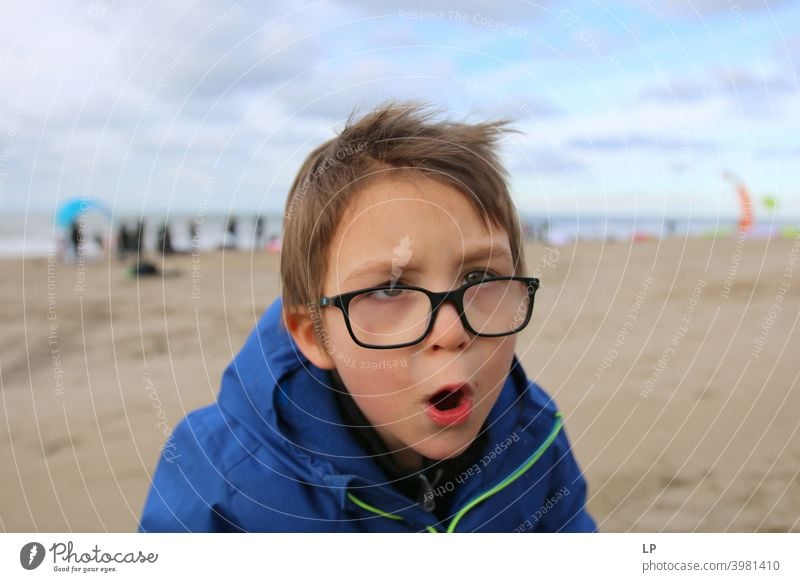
404 457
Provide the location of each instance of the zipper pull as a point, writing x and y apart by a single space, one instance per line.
428 504
426 493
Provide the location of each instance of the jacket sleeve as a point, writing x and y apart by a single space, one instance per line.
567 497
189 488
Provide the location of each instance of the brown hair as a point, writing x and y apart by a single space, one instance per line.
405 137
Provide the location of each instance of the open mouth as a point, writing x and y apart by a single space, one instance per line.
450 406
447 399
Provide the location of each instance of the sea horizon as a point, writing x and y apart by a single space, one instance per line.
36 233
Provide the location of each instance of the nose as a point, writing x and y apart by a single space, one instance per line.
448 332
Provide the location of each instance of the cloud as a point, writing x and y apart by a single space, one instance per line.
538 160
792 152
512 11
150 99
746 91
736 81
498 94
712 7
110 94
333 90
787 52
638 142
719 81
682 89
217 49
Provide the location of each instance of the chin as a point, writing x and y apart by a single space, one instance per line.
446 445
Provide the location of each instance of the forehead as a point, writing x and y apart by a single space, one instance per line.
409 201
410 219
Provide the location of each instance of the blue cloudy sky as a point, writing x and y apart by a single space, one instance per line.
625 107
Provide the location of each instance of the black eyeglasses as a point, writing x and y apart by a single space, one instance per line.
397 316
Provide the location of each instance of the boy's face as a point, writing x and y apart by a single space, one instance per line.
424 233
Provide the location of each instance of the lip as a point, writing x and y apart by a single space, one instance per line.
452 416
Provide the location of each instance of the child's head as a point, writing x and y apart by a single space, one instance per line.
401 198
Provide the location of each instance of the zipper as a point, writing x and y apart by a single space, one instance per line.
426 496
515 474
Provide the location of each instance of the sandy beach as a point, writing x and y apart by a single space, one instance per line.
675 364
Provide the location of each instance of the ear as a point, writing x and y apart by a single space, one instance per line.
300 325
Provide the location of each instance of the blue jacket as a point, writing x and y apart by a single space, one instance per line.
271 455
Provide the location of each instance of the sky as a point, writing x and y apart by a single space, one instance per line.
624 108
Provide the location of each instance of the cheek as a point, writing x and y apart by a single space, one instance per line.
497 356
338 342
364 370
366 375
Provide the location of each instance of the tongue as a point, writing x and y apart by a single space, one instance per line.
447 400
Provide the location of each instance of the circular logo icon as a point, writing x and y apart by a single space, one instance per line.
31 555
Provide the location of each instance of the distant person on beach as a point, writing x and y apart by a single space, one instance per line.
194 235
258 238
76 240
123 242
543 234
230 233
165 240
137 242
274 244
381 392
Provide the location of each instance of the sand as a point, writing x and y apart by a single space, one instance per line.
675 363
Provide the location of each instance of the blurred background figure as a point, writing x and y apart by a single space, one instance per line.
258 233
230 233
138 240
274 245
76 241
123 242
194 235
164 240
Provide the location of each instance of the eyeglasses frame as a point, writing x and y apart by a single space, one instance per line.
437 299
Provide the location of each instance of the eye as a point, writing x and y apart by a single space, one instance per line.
479 275
385 294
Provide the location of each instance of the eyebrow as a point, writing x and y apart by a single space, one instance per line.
385 266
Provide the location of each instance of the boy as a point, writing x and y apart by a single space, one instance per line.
381 392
